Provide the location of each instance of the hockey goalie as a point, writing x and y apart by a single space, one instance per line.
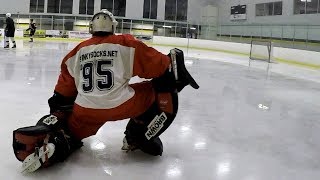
93 88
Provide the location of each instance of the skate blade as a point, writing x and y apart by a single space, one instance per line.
32 162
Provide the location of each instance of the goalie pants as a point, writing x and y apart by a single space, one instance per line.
85 122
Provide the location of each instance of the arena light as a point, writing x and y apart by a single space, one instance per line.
193 28
143 26
185 128
81 23
174 171
24 20
223 168
264 107
99 146
200 145
167 26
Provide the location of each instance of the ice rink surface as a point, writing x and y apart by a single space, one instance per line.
257 122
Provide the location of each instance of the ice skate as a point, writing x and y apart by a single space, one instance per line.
153 147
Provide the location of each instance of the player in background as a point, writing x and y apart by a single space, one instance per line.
32 28
93 88
9 31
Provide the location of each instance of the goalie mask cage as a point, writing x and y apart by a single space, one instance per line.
261 50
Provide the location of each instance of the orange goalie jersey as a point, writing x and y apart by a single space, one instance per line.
97 73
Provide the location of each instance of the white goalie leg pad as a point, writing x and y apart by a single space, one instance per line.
33 161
